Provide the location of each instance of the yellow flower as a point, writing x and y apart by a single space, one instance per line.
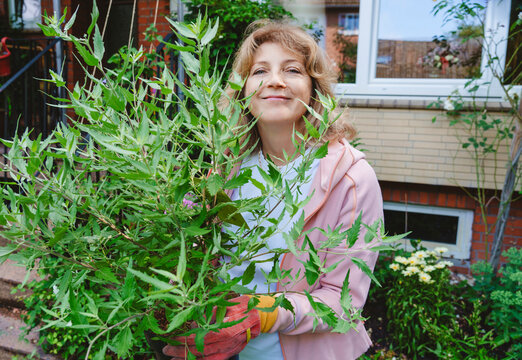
412 260
421 254
401 260
429 268
440 250
413 269
425 277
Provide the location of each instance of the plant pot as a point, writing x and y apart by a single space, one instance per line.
156 345
5 61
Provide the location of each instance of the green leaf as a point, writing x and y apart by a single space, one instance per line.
215 183
123 341
151 280
365 269
105 273
179 319
99 48
346 298
182 259
210 33
70 23
312 131
322 151
353 231
239 180
248 274
94 17
86 55
5 252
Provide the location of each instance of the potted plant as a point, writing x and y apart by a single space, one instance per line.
130 204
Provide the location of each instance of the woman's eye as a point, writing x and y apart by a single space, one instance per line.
258 71
294 70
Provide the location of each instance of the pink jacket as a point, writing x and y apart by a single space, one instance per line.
344 185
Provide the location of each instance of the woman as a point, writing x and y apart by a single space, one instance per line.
285 69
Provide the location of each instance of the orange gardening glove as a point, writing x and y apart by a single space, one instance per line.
267 319
226 342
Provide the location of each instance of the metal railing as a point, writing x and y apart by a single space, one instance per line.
26 100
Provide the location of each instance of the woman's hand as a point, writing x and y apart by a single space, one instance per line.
226 342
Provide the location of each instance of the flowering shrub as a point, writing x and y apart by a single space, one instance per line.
423 266
419 296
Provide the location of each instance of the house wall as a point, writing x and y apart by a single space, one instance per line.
421 162
405 145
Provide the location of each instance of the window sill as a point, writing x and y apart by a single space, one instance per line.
415 104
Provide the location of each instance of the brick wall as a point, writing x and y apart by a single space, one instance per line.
150 12
454 197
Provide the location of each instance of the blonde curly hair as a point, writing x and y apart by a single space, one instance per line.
317 64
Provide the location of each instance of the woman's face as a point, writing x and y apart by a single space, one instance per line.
279 81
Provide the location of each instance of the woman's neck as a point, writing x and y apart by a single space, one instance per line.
276 141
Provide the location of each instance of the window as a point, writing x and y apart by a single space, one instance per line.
434 226
349 23
405 51
25 15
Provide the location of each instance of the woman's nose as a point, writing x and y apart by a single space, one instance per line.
276 80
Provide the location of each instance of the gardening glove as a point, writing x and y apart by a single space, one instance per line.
266 318
226 342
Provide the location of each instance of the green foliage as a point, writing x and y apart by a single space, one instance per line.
419 297
125 206
347 47
235 16
503 297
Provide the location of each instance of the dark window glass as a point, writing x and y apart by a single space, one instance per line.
513 73
428 227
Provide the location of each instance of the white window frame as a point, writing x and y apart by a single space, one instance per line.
345 31
462 249
367 86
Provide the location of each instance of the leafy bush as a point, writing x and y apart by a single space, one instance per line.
126 208
419 296
503 296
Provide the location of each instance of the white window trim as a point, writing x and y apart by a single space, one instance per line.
461 250
368 86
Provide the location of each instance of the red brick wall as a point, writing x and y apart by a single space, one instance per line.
146 14
454 197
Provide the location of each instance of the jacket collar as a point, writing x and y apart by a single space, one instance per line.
331 170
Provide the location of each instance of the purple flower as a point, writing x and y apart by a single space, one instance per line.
188 203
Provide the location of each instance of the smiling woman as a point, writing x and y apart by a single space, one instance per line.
280 87
288 78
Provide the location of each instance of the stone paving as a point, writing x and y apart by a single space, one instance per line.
10 322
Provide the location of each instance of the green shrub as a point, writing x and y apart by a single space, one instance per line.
418 296
503 297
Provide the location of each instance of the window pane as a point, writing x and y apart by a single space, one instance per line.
342 33
514 52
415 43
427 227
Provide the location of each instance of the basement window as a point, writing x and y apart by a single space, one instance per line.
434 226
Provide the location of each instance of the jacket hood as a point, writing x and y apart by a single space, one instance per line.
340 158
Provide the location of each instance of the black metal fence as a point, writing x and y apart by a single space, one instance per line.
26 100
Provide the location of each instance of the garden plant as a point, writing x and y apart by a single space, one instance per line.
430 313
125 210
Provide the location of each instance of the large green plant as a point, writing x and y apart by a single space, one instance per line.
130 204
